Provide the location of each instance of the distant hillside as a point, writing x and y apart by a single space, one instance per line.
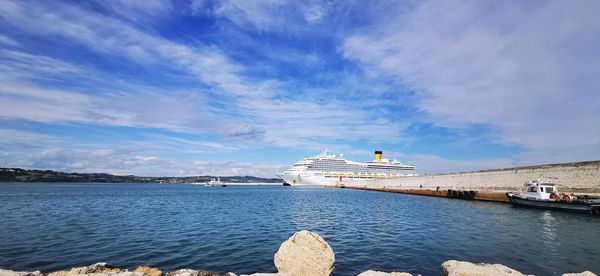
22 175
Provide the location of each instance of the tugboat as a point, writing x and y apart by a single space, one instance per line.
215 183
544 194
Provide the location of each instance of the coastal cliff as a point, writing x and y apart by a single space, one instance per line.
23 175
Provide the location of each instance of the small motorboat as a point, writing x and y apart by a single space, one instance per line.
544 194
215 183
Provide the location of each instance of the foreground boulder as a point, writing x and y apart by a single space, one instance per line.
585 273
381 273
148 271
4 272
458 268
305 253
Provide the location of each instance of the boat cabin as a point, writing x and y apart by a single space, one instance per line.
541 190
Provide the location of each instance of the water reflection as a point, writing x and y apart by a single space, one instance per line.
548 222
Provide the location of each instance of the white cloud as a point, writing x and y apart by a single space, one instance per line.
19 101
272 15
236 168
141 11
111 36
314 13
181 145
115 161
431 164
250 109
19 63
528 69
127 161
8 41
185 111
284 122
297 123
14 138
261 14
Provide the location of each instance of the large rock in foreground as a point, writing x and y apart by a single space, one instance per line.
305 253
458 268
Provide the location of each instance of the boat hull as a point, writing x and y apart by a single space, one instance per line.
312 179
573 206
305 179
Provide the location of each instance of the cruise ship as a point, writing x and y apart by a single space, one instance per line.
329 169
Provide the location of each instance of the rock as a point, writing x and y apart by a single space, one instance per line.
585 273
305 253
4 272
381 273
149 271
458 268
191 272
184 272
96 269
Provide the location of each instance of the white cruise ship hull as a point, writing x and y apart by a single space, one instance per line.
312 179
307 179
330 170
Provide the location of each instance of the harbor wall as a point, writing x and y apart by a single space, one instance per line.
578 177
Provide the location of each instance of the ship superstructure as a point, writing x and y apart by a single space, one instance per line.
330 169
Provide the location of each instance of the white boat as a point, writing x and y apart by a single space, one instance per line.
544 194
215 183
329 169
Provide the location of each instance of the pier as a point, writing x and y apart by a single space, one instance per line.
490 185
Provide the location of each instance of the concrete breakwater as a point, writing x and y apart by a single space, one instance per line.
578 177
496 196
304 253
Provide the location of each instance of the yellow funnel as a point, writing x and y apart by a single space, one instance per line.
378 155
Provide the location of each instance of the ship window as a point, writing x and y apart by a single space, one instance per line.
549 190
542 189
532 189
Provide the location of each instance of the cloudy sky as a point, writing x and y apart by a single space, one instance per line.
154 87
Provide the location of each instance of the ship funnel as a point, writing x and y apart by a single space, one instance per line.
378 155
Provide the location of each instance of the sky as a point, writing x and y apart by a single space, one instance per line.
224 87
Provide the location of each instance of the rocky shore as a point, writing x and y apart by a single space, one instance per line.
304 253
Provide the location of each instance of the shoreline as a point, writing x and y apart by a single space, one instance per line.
304 253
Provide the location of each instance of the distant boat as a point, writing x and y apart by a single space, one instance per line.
215 183
544 194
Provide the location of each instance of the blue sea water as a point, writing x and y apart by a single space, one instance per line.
47 227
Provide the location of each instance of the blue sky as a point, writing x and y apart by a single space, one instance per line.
226 87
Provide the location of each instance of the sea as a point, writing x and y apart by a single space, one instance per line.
53 226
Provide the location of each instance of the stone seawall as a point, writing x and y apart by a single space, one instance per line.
579 177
